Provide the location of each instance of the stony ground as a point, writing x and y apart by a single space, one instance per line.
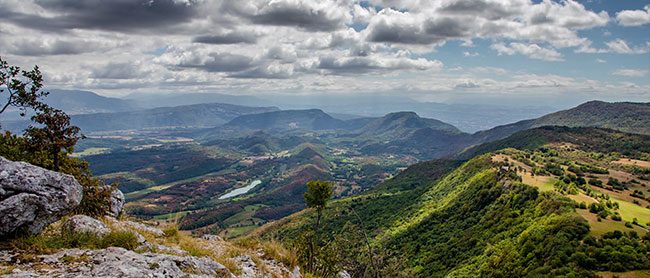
156 256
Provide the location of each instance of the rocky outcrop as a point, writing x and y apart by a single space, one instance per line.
209 237
84 224
116 204
247 266
32 197
119 262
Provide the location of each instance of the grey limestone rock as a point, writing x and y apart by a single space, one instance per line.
209 237
119 262
32 197
117 203
84 224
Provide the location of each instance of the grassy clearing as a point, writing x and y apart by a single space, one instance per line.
237 231
605 225
544 183
173 215
140 193
629 211
90 151
629 274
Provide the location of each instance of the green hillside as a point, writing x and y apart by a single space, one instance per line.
531 219
606 140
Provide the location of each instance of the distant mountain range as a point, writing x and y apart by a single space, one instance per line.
623 116
77 102
197 116
168 100
397 132
467 117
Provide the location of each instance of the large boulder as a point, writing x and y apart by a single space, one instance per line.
32 197
117 203
84 224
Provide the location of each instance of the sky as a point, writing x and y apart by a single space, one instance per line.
464 51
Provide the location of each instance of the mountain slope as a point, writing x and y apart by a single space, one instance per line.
405 133
606 140
84 102
482 219
276 121
401 124
624 116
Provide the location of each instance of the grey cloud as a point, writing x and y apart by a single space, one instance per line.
355 65
118 71
281 54
280 13
57 47
264 72
540 18
448 28
397 33
222 62
490 10
117 15
229 38
467 85
432 31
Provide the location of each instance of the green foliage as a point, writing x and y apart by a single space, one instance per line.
23 88
596 182
56 134
318 192
554 169
468 224
586 138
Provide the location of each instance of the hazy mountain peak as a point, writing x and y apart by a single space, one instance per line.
401 123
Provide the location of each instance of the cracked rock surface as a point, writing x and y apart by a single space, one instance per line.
32 197
119 262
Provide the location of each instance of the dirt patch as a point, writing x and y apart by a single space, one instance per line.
633 162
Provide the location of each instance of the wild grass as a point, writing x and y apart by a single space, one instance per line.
46 244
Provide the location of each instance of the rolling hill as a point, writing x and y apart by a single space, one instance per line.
402 124
287 120
509 213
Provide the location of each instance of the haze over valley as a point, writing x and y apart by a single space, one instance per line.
336 138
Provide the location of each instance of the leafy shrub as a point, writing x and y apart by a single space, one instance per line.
596 182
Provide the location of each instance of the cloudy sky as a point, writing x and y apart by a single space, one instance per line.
443 51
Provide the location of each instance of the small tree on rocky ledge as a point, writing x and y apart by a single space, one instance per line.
56 134
42 145
318 192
